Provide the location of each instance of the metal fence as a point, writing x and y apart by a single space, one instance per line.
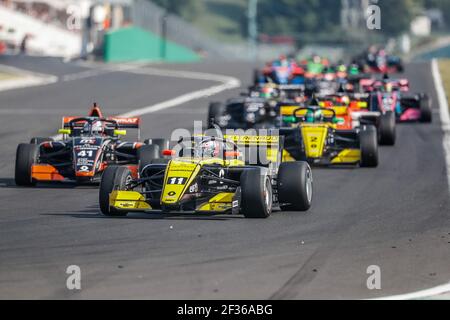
149 16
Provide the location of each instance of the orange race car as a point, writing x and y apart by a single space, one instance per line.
353 111
87 146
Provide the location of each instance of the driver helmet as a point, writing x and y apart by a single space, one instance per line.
317 59
313 116
284 62
267 92
389 87
342 68
97 127
210 149
343 99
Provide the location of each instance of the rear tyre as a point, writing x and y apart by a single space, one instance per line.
113 178
256 194
295 186
425 109
215 111
26 156
369 147
39 140
386 129
146 154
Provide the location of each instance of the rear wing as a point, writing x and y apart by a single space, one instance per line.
253 140
401 84
127 123
124 123
293 91
258 149
270 144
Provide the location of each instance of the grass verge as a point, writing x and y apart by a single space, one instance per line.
7 76
444 68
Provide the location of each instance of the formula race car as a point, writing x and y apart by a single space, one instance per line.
88 146
377 60
211 175
392 95
281 71
313 136
354 111
242 113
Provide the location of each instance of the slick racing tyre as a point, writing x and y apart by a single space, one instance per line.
425 109
295 186
256 194
215 111
39 140
146 154
26 156
386 129
113 178
368 147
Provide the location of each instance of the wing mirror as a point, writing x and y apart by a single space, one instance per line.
168 152
120 132
338 120
290 119
64 131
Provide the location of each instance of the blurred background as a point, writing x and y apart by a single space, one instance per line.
192 30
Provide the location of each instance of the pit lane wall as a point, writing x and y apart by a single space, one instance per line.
135 44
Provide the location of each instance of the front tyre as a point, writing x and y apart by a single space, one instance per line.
369 147
295 186
425 109
113 178
386 129
26 156
256 194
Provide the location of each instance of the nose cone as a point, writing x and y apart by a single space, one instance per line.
86 154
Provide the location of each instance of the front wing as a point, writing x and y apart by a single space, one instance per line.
130 201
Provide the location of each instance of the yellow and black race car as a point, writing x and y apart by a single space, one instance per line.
312 134
208 174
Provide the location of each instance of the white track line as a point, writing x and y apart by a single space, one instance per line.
226 83
231 83
445 122
25 79
445 288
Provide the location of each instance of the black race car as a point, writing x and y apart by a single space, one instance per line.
243 113
88 145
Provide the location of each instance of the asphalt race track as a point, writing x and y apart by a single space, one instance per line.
395 216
